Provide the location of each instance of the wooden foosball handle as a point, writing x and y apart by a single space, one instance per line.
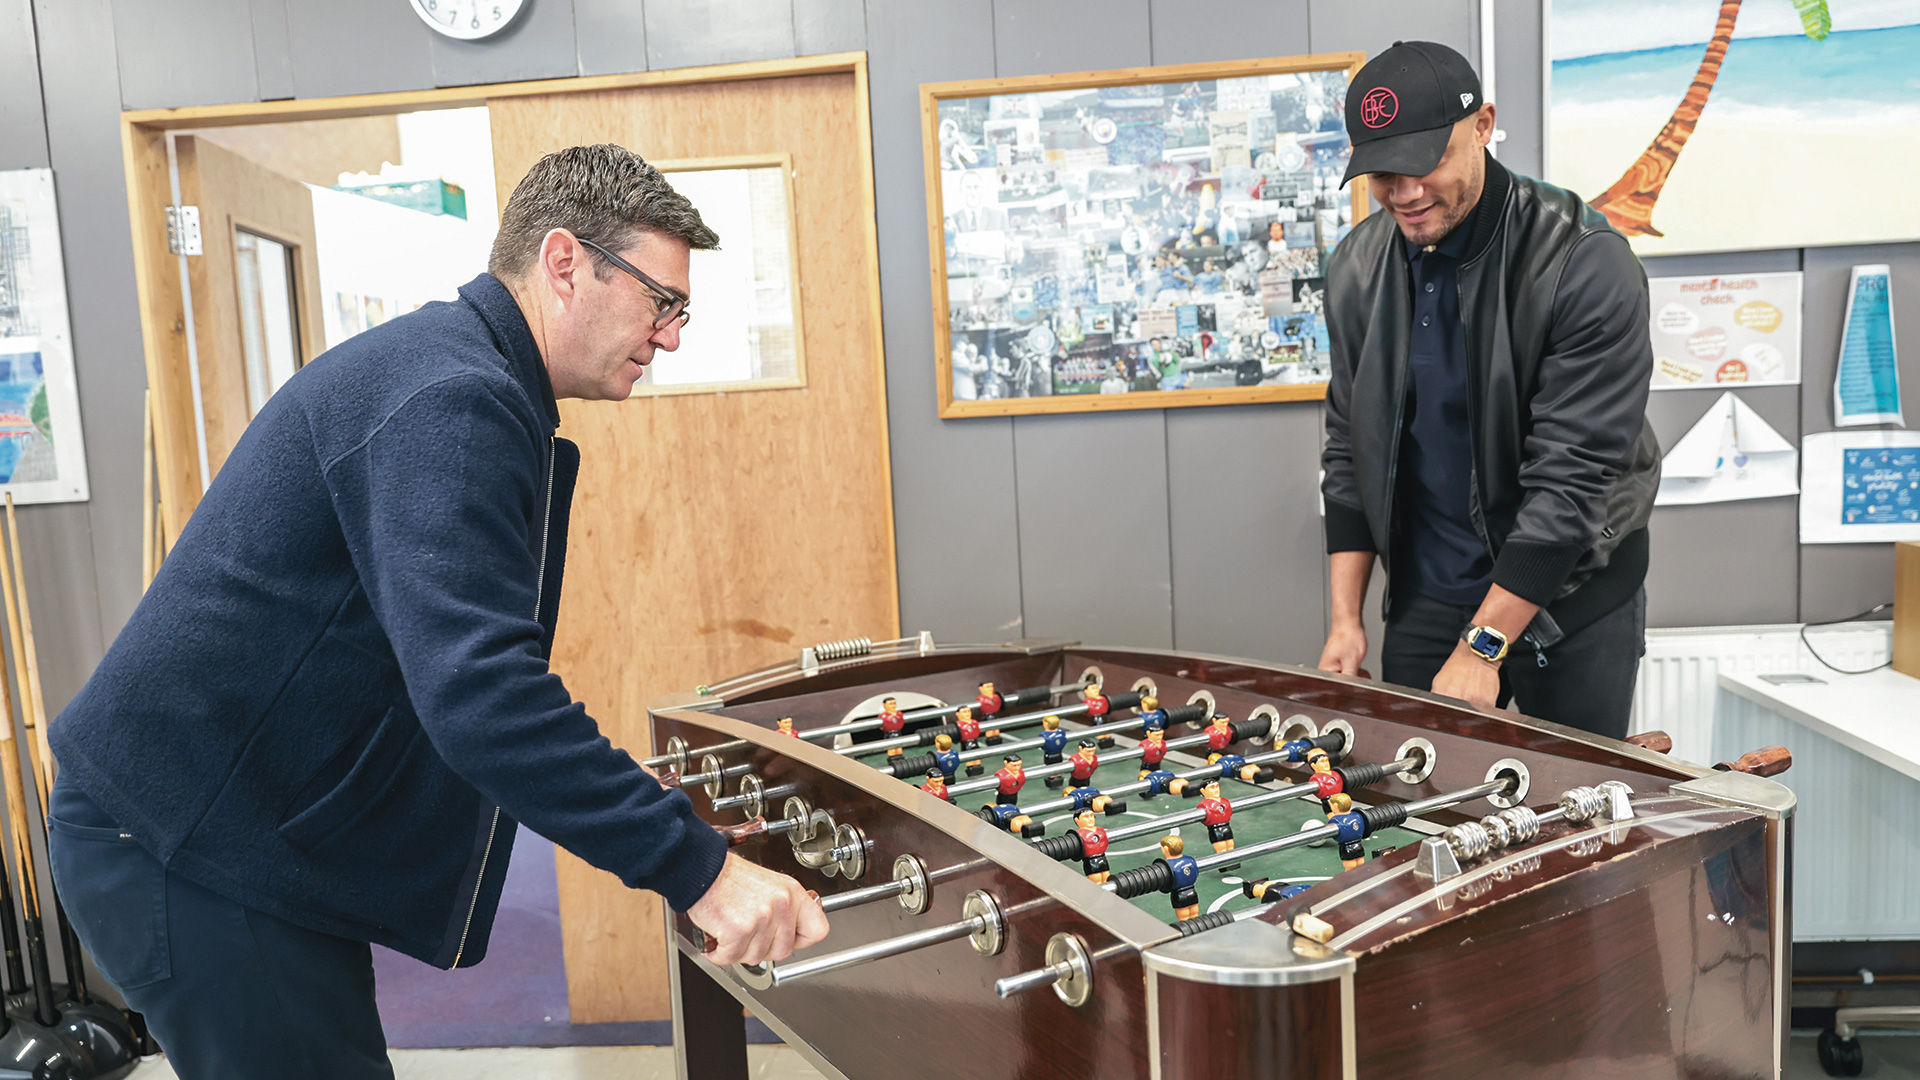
1766 761
1657 741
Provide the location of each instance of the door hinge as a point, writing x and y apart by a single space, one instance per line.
183 230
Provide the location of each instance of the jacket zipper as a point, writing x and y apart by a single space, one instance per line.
539 588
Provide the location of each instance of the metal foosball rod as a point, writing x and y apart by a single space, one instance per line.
1029 696
707 775
1242 730
982 920
998 723
1067 845
1158 876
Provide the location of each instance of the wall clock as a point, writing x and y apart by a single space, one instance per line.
467 20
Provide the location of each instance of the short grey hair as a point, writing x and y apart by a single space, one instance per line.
605 193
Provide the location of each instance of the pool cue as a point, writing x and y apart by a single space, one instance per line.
33 714
147 541
17 833
41 753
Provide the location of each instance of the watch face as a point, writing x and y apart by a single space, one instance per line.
468 20
1485 643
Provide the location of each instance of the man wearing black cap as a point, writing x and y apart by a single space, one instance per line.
1486 425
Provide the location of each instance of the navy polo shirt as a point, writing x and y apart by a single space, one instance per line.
1441 555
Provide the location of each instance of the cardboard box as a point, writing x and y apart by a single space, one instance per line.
1906 608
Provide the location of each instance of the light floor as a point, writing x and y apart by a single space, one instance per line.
1889 1057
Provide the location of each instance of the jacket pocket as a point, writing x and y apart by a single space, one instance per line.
372 775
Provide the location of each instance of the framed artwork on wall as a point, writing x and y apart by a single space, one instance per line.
1136 239
42 454
1713 125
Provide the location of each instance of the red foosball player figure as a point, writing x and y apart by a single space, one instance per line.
969 736
892 723
1216 814
785 724
990 705
1085 760
1186 872
1354 852
1012 777
1152 749
1053 745
936 785
1219 737
1093 847
1097 704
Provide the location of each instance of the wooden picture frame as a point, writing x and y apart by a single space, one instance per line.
797 380
1110 231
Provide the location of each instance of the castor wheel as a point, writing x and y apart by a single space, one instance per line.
1838 1056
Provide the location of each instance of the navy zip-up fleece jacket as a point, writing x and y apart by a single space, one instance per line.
334 703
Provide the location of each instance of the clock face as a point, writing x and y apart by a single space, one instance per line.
468 20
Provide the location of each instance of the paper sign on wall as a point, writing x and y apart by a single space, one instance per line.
1860 487
1730 454
1713 331
1866 383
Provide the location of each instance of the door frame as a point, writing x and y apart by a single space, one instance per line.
143 135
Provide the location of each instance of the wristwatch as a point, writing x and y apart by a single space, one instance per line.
1487 643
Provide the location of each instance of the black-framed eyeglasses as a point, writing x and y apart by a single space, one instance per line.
672 305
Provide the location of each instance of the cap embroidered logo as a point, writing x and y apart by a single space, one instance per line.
1379 107
1466 100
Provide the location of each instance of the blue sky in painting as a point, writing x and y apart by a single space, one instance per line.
1589 27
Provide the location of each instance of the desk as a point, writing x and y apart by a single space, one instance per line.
1856 772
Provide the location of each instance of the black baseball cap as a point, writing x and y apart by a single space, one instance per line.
1402 106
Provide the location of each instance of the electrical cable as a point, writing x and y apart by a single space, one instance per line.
1874 610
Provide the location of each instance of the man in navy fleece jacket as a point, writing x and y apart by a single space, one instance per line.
326 716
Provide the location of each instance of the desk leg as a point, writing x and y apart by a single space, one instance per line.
709 1029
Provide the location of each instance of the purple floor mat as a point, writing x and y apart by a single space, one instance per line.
517 996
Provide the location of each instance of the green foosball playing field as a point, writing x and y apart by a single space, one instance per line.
1219 891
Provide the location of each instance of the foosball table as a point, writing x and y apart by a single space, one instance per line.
1041 859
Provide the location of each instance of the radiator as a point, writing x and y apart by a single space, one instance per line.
1679 675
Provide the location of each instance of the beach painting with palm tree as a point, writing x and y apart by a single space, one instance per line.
1716 125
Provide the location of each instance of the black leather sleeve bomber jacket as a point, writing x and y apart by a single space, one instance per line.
1565 465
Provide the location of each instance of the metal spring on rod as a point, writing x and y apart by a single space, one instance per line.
1582 803
1469 839
841 650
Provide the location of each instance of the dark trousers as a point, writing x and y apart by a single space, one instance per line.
230 993
1584 680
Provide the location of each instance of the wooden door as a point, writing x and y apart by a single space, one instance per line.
715 533
241 200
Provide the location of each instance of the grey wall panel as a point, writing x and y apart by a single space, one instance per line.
1837 580
1094 558
1516 92
84 559
1242 493
1769 261
1841 580
538 44
717 32
829 26
1724 563
610 36
1228 30
185 54
272 50
23 118
1037 37
955 527
357 47
1340 25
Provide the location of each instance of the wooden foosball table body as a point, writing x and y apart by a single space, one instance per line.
1649 939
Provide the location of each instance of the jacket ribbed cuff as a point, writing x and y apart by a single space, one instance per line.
1535 572
1347 529
694 865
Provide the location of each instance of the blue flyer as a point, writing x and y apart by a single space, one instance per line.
1880 486
1866 384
